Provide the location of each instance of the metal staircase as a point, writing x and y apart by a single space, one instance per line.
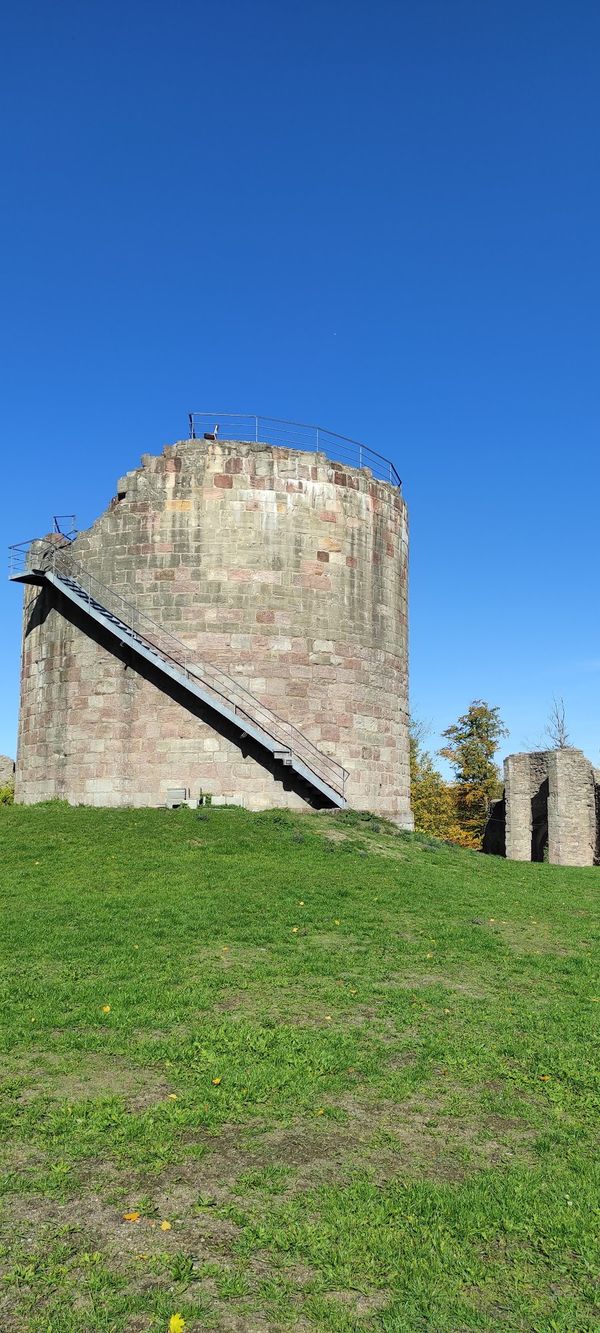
53 566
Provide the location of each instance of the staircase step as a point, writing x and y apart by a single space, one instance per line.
307 759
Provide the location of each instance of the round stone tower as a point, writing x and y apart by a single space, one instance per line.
274 565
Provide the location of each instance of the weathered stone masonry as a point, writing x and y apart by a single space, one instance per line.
282 568
549 809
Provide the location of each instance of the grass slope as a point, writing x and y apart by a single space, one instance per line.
351 1068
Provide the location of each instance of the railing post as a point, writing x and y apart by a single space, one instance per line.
192 427
256 429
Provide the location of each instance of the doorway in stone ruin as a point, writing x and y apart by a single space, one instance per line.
539 823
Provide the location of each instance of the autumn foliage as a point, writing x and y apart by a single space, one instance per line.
457 811
432 798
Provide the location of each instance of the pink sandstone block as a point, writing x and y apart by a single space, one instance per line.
243 575
313 567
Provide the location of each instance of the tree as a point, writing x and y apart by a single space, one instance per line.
432 798
556 728
472 745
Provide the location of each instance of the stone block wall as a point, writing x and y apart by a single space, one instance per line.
572 832
282 568
523 778
552 802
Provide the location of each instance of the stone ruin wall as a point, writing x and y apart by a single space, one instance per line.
551 801
282 568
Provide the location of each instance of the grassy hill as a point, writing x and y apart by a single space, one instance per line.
275 1072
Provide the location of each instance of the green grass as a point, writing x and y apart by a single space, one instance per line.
353 1069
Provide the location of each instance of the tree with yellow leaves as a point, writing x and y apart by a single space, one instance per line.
472 745
432 799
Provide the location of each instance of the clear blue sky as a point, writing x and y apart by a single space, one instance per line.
382 217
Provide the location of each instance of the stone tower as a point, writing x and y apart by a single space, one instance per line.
282 577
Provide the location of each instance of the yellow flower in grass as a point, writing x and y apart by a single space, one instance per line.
216 1082
105 1008
176 1324
165 1226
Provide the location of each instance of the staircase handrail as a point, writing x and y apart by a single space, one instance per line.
62 563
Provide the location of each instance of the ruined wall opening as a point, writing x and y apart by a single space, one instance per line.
539 823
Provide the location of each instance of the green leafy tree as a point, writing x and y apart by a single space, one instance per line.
472 744
432 798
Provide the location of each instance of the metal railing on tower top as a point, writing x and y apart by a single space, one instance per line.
251 429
